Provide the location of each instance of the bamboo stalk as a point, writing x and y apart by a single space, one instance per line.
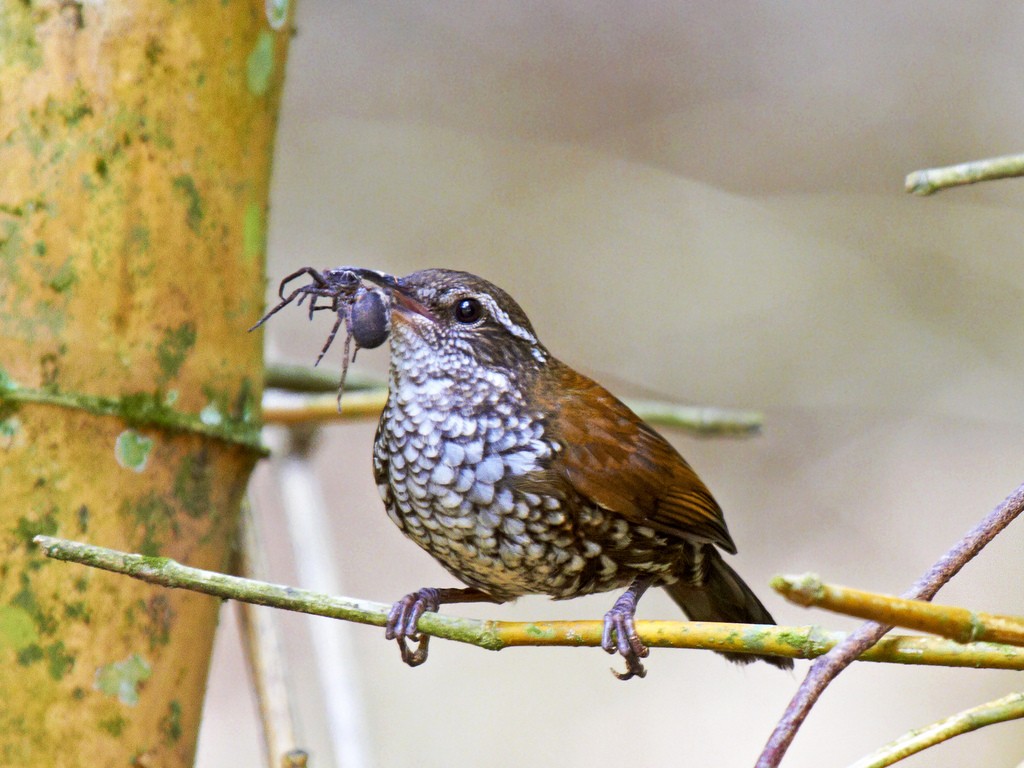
134 175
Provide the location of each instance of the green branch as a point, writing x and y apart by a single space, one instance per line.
700 419
302 378
295 408
932 180
999 711
793 642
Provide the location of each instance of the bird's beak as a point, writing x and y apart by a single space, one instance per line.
403 302
406 305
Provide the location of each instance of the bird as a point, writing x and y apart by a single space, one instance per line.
521 476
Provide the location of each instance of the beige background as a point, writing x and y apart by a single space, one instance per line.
703 200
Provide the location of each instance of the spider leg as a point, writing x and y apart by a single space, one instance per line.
310 291
348 346
318 279
317 292
281 305
330 339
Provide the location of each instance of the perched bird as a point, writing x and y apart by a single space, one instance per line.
522 476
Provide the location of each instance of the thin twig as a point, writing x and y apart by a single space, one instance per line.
699 419
950 621
302 378
825 669
294 408
792 642
999 711
261 643
335 659
931 180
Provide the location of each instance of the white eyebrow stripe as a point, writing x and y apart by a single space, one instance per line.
502 317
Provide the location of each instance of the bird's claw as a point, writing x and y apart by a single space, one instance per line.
633 669
402 620
414 655
620 636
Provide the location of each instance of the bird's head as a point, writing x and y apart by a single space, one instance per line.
449 323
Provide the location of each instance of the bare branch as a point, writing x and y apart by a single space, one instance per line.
828 667
953 622
293 408
302 378
793 642
999 711
931 180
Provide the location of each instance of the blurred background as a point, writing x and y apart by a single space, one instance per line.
704 202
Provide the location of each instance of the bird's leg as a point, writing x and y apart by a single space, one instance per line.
405 614
620 635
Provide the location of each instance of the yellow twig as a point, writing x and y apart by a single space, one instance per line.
999 711
956 623
290 408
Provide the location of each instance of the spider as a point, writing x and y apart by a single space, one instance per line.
364 311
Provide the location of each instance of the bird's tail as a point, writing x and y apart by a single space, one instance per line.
722 596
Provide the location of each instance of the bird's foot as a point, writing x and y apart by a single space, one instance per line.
620 634
402 620
401 624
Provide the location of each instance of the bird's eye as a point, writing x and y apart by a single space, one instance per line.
468 311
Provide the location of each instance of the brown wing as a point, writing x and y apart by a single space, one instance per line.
625 466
